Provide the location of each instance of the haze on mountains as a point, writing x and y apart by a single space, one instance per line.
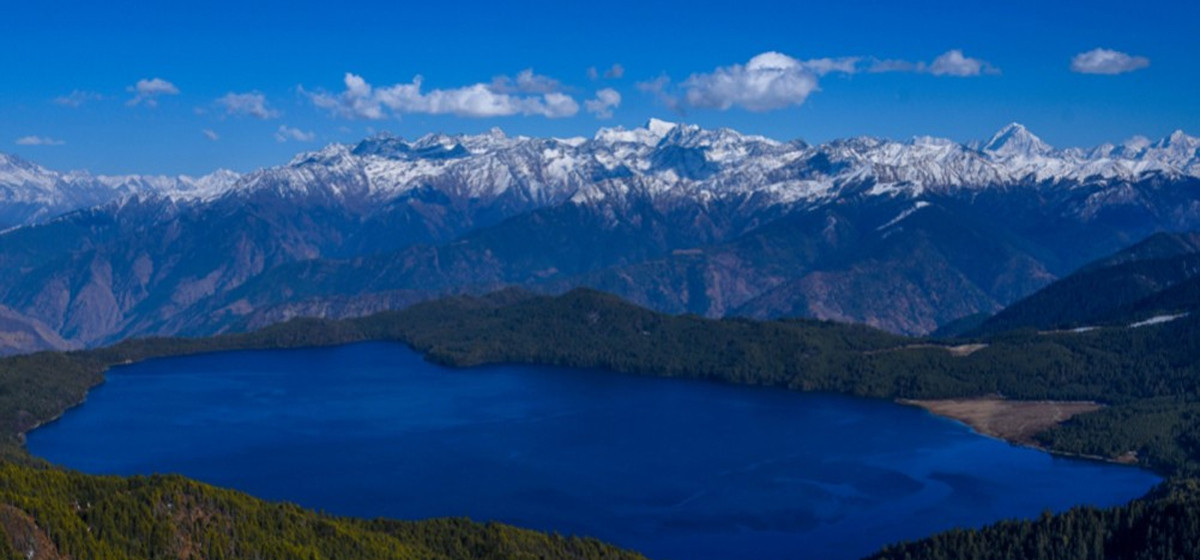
903 235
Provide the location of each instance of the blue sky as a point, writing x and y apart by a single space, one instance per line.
953 69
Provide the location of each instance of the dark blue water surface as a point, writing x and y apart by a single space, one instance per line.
676 469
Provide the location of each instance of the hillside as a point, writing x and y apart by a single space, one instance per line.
1131 285
1162 526
51 514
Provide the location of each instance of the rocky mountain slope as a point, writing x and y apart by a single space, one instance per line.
904 235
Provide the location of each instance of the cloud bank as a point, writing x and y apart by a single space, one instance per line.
950 63
768 81
528 94
1107 61
774 80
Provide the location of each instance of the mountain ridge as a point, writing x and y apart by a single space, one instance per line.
699 161
905 236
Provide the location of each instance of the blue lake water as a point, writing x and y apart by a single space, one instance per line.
675 469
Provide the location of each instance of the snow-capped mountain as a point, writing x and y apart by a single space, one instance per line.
662 159
904 235
30 193
676 160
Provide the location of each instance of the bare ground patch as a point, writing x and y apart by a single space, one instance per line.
1015 421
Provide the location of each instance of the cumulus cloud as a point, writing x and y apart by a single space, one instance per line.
768 81
38 141
77 98
526 97
286 133
1107 61
774 80
954 63
253 104
211 135
606 100
950 63
148 91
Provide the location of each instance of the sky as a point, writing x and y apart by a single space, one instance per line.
167 88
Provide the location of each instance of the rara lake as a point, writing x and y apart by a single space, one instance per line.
675 469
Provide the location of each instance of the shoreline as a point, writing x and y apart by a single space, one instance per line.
989 416
1018 422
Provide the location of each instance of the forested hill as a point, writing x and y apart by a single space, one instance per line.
1162 526
51 514
1156 276
1148 377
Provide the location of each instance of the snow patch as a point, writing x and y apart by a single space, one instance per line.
1157 320
915 207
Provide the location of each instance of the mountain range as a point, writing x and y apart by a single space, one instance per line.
902 235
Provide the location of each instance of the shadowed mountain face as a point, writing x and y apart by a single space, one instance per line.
904 236
1158 277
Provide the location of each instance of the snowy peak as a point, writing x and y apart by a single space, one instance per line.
1016 140
660 127
1177 138
664 160
649 135
1178 143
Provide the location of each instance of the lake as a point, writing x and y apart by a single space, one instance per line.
676 469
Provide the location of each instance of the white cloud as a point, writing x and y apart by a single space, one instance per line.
950 63
954 63
77 98
361 100
286 133
768 81
147 91
1107 61
210 135
890 65
526 82
774 80
253 104
823 66
606 100
39 141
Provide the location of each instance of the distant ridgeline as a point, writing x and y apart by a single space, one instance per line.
1149 376
903 235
